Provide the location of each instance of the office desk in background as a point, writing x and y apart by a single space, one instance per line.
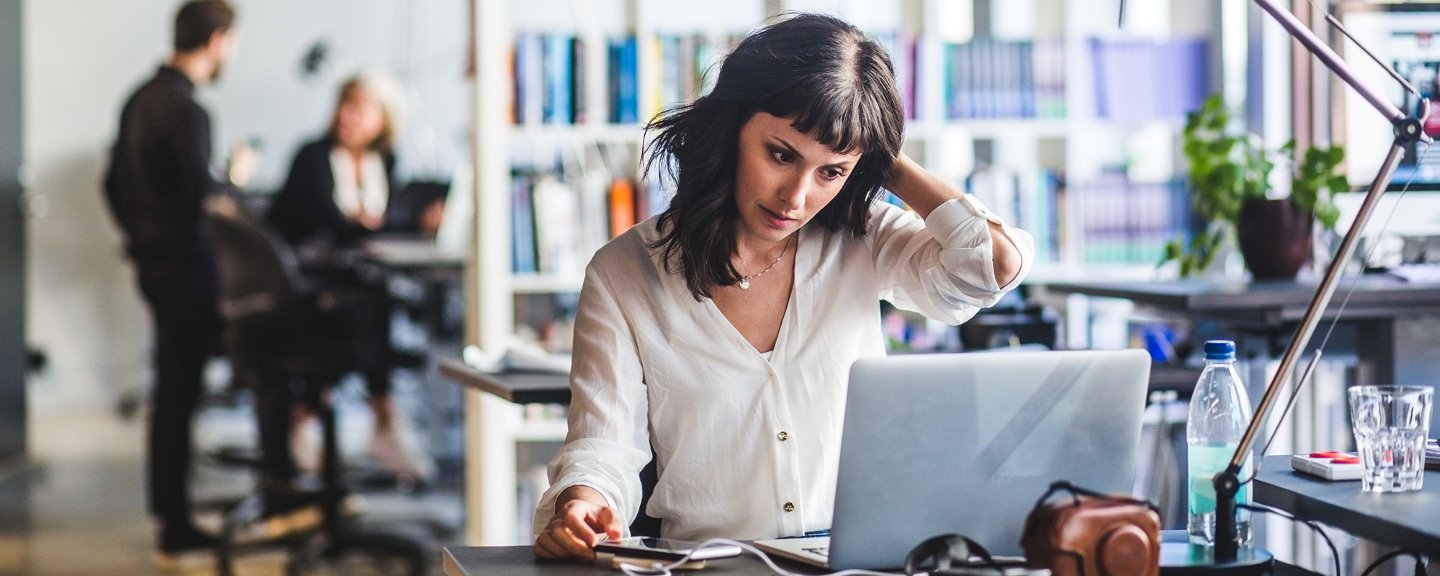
413 255
490 443
1396 320
1410 521
515 387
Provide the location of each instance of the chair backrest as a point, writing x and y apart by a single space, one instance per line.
259 272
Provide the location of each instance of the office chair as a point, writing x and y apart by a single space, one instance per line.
279 332
644 524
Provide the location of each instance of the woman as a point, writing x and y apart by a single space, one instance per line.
720 332
337 193
339 185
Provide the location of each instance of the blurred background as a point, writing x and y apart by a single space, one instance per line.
1063 119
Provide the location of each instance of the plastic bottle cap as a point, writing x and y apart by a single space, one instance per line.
1220 350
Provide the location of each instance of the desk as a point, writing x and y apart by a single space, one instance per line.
516 387
435 270
1410 521
1394 336
413 254
520 561
493 434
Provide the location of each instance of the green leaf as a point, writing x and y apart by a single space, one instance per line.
1335 155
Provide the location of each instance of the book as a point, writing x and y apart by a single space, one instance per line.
624 86
522 228
556 206
529 79
555 55
622 206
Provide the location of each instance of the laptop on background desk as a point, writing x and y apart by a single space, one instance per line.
451 244
966 443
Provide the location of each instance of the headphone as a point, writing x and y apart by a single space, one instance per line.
935 555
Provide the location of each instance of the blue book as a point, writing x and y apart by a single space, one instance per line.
627 87
671 86
524 91
555 53
1026 52
612 81
522 227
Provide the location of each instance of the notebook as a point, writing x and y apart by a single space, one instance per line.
967 443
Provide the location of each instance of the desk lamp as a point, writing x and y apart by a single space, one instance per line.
1408 130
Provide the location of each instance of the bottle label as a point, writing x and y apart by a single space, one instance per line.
1205 463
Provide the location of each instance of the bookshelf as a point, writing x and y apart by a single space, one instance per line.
1009 151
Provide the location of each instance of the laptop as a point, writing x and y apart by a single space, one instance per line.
967 443
451 244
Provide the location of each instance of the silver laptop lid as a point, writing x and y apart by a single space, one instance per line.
966 443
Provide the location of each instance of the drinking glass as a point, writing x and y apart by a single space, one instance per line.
1390 425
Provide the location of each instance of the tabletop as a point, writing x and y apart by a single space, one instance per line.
1410 520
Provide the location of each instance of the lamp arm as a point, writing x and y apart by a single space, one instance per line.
1408 130
1227 483
1330 59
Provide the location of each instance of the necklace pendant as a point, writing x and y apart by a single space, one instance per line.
744 283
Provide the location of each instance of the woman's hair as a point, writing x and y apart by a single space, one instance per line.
386 92
819 72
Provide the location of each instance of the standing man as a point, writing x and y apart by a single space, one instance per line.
160 174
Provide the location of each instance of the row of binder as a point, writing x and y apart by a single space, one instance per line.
983 78
988 78
551 78
1125 222
558 223
1119 221
1134 80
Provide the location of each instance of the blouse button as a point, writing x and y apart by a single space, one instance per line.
789 506
783 435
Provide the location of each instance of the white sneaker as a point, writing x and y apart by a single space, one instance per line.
306 445
398 450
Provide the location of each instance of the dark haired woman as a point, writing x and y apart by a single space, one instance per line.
337 193
720 332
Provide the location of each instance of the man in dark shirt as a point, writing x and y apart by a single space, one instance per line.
160 173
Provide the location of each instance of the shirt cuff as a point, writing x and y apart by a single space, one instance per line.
979 208
960 222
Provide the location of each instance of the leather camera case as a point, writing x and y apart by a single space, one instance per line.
1092 534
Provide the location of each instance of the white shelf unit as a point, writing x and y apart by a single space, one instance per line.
494 426
1077 144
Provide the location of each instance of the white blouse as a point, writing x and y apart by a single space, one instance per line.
749 447
370 194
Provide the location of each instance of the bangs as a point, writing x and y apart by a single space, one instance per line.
840 125
841 111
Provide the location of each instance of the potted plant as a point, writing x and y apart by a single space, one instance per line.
1230 192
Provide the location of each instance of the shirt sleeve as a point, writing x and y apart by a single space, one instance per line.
942 266
190 145
608 441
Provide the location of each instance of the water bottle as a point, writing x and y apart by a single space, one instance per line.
1219 413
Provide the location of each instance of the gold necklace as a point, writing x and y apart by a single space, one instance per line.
745 280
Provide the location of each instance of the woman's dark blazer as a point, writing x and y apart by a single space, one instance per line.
305 208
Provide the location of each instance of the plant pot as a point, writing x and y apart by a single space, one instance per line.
1274 238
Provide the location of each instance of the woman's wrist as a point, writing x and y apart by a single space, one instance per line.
580 492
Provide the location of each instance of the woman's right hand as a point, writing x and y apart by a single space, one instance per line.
582 519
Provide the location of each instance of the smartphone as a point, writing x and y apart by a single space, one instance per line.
663 549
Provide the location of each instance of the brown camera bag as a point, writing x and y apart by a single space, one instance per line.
1092 534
